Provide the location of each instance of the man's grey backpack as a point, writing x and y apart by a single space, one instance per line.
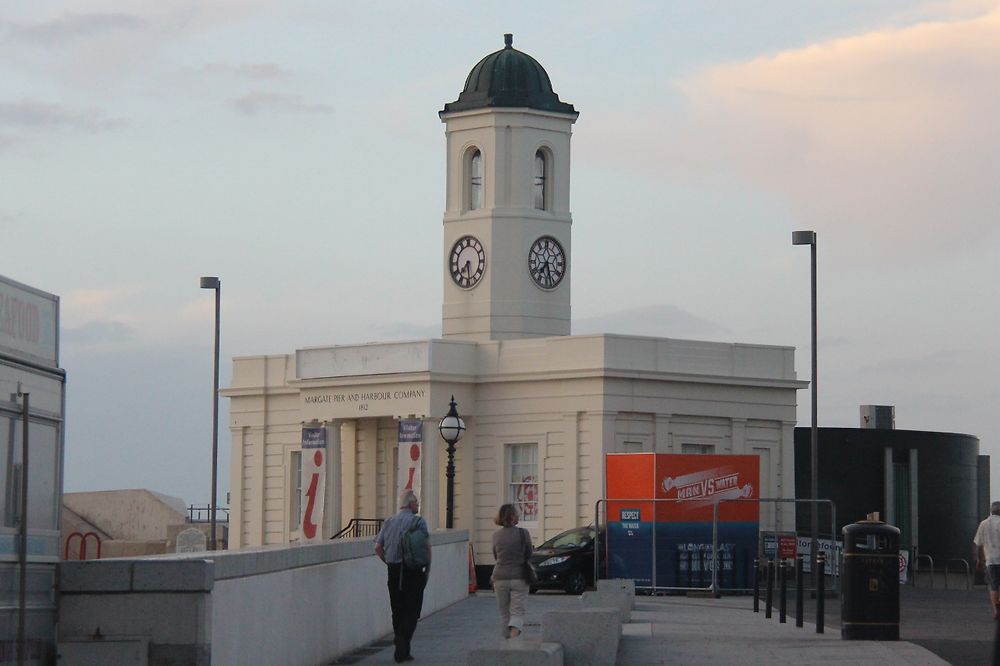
416 547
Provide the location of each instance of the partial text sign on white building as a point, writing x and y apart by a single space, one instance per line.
29 321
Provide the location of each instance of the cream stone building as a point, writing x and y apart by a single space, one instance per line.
542 407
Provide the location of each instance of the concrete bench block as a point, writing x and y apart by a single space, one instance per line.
546 654
618 593
588 636
624 586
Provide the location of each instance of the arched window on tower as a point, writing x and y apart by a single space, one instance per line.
539 186
476 180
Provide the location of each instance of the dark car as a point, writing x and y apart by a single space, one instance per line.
566 561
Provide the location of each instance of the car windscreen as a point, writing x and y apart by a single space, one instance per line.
571 539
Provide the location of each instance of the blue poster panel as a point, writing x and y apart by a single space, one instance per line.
630 546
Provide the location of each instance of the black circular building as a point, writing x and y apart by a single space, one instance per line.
933 486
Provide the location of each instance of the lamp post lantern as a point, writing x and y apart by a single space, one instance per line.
809 238
216 284
451 428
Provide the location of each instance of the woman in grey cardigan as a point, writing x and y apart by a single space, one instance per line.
512 550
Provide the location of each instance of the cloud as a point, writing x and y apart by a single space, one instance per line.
654 320
98 332
885 142
34 114
260 102
69 27
255 71
89 299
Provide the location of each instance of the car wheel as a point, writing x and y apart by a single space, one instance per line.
532 590
576 583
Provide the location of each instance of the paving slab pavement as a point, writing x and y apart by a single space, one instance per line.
664 630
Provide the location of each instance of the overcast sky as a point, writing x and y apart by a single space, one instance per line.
293 148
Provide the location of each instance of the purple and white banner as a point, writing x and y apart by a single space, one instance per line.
411 445
313 481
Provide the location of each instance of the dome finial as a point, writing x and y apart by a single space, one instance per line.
508 40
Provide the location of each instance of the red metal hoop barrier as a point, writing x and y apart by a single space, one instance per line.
84 537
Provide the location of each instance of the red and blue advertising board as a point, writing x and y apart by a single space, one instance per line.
675 533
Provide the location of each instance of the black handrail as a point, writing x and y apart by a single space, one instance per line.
360 527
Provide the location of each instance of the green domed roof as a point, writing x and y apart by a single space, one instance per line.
508 78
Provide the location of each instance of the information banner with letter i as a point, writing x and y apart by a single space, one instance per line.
313 481
411 441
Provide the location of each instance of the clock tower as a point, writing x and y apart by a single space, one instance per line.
507 221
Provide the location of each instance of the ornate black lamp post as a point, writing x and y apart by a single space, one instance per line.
451 428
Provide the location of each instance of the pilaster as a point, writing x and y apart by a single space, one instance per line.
431 470
349 470
571 467
663 438
785 477
739 436
333 502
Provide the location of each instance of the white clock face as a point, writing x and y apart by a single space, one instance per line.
467 262
546 262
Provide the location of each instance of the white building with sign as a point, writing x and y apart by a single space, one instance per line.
32 385
541 406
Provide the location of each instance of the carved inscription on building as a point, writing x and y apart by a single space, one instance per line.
327 403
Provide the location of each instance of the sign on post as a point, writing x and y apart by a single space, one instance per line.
410 443
313 480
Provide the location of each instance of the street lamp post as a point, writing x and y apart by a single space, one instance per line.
216 284
451 428
809 238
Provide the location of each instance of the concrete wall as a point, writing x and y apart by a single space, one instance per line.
288 605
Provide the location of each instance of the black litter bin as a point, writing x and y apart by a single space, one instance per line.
869 598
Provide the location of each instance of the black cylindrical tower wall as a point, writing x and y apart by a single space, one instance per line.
852 474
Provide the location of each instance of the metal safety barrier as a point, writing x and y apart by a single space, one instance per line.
968 572
202 513
703 566
916 568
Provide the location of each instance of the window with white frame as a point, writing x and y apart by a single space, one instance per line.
295 483
523 475
539 184
475 180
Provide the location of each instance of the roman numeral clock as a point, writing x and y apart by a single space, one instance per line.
547 262
468 262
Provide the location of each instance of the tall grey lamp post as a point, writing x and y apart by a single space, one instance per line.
216 284
809 238
451 428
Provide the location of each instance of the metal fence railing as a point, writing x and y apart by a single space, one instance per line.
673 555
202 513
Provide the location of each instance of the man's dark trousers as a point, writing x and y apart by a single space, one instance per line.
406 601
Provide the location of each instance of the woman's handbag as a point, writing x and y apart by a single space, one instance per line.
529 572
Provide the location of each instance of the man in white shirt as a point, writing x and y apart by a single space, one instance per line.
988 554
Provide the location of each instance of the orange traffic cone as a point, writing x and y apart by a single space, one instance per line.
472 569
